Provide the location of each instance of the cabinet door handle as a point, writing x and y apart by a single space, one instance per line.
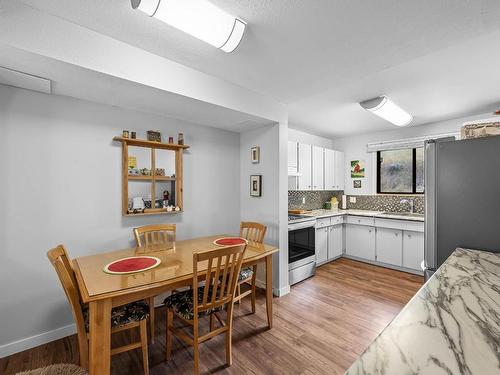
409 236
396 234
370 231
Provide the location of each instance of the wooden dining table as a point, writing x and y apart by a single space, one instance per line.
103 291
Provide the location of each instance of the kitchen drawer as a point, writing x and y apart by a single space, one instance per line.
323 222
415 226
360 220
337 220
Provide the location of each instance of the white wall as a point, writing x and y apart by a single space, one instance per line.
60 183
310 139
355 148
265 209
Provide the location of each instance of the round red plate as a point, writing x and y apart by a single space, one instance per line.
230 241
131 265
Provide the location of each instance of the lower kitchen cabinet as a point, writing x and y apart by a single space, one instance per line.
360 241
413 249
389 245
321 245
335 241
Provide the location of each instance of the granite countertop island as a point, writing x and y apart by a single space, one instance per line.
451 326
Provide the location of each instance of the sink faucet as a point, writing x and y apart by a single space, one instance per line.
411 202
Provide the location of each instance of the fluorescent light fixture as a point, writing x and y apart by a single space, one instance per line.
198 18
388 110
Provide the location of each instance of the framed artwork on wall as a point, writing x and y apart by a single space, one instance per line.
255 185
255 154
356 184
357 168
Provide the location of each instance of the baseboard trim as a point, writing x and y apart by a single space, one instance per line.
34 341
277 292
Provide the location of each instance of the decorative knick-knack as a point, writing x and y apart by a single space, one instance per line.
180 139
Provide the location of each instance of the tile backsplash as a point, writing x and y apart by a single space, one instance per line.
390 203
313 199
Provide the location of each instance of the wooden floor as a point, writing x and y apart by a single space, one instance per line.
321 327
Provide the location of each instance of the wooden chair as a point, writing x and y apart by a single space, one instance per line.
217 292
154 235
125 317
253 232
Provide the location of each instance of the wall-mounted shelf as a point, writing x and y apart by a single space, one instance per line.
176 187
149 178
150 144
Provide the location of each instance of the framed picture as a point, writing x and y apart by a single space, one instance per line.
255 185
357 168
154 136
356 184
255 151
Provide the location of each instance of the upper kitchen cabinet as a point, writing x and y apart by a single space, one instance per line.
334 170
305 166
314 168
318 168
339 171
292 157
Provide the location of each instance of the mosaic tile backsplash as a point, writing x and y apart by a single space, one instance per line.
390 203
313 199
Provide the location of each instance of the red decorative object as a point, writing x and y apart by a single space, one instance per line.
230 241
131 265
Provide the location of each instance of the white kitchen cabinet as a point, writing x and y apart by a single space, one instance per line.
330 183
305 167
335 241
321 245
339 169
389 245
292 155
360 241
318 168
413 249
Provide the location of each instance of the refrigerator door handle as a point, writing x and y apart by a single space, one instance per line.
430 235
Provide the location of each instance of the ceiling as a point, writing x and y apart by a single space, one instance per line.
435 58
74 81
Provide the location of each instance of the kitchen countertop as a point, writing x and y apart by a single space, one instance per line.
451 326
378 214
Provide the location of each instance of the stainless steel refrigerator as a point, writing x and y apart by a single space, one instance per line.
462 197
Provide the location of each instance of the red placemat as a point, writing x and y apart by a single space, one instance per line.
230 241
131 265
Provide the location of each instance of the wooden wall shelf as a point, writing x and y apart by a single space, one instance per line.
177 186
149 178
150 144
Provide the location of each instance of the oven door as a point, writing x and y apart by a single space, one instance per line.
301 246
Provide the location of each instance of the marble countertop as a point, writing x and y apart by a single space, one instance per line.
451 326
379 214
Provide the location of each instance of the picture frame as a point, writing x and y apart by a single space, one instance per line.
255 185
154 135
357 168
255 154
356 184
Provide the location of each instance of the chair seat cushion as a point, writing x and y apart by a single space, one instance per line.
245 273
182 303
121 315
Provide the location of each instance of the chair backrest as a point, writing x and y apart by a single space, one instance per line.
62 264
223 268
151 235
252 231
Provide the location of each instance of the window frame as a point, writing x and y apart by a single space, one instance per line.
414 175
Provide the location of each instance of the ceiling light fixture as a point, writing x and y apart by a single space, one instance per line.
385 108
198 18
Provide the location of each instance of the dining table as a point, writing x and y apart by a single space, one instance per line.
102 291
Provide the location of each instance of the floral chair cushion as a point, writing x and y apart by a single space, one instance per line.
121 315
182 303
245 273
